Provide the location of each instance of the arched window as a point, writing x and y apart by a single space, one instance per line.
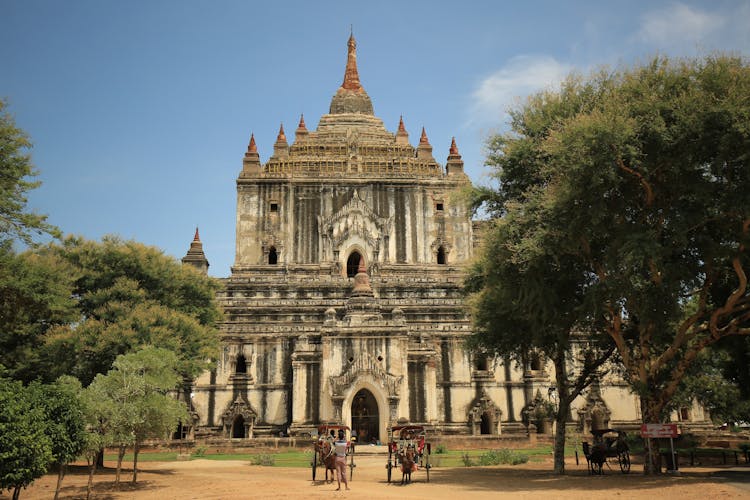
441 255
352 264
241 366
273 258
536 362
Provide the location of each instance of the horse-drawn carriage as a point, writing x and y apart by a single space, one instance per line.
407 449
324 453
608 445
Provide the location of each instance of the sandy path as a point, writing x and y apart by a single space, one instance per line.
209 479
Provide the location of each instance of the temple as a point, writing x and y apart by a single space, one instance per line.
344 303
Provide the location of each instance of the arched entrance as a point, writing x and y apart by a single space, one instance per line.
365 417
238 427
352 264
485 424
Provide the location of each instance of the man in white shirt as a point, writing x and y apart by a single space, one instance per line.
340 447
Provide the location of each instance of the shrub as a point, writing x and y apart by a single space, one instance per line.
263 459
199 451
440 449
466 459
497 457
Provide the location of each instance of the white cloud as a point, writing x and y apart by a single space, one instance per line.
678 25
518 78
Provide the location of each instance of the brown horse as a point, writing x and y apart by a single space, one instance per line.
407 464
327 457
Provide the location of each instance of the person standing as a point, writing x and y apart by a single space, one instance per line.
341 447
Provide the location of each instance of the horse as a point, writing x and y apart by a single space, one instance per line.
407 463
327 457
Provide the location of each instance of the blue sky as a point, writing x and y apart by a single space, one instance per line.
141 111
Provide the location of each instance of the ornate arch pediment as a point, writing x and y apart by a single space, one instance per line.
365 364
355 219
483 406
238 407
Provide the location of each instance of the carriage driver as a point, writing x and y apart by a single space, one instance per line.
341 446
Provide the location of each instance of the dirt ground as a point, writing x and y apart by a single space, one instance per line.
209 479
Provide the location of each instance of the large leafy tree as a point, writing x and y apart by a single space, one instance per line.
16 222
37 295
130 295
640 177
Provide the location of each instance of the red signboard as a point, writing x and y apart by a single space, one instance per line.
659 430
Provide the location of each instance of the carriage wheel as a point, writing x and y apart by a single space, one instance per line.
389 465
314 464
624 458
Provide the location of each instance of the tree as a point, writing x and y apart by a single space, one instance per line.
641 178
26 450
134 400
524 301
130 295
37 295
15 164
64 421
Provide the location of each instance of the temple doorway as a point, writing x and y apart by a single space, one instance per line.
365 418
238 427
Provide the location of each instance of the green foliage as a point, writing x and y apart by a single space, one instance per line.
502 456
466 459
36 291
26 450
635 185
199 451
15 164
263 459
131 295
441 449
64 417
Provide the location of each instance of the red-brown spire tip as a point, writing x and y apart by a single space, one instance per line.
197 236
454 149
252 148
361 268
281 136
351 75
301 125
401 127
423 139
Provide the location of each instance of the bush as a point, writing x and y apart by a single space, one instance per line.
466 459
440 449
263 459
497 457
199 451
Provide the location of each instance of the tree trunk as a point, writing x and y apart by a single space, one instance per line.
120 454
561 418
135 460
100 459
92 468
651 411
60 475
16 492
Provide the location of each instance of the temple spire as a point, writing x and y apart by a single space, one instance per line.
424 149
402 136
197 236
351 75
251 148
454 165
281 137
